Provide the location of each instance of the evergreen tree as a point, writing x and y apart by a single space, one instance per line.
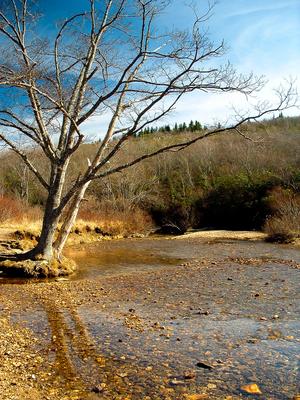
197 126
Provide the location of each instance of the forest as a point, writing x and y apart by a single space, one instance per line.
224 182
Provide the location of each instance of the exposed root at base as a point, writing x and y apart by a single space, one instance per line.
38 268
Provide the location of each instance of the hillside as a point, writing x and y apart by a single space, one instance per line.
223 182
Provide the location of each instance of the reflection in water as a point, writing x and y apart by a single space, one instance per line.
81 368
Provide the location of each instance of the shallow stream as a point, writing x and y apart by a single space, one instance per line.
169 304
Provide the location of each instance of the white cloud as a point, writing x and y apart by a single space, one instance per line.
95 127
219 107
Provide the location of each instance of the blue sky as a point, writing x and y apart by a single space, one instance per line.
262 36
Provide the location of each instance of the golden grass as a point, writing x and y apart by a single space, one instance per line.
102 227
224 234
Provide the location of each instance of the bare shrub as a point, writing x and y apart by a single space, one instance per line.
10 208
15 210
284 225
113 221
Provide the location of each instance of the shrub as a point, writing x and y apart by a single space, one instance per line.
284 225
235 202
16 210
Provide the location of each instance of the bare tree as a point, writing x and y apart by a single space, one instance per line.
111 60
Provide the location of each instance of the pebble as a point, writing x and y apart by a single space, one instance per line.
211 386
189 375
176 382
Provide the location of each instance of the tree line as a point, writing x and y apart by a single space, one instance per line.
192 126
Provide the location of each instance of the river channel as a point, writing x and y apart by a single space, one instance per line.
162 318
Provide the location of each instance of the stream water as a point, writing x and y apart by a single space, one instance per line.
125 256
237 314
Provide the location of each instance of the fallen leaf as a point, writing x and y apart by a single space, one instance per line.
252 388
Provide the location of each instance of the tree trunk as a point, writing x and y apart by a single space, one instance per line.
45 259
44 248
69 221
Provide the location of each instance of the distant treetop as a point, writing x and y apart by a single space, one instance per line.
193 126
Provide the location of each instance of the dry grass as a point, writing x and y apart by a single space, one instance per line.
95 222
19 220
113 220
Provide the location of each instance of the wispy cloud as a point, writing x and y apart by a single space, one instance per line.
259 7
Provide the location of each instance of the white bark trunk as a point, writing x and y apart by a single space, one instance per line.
69 220
44 248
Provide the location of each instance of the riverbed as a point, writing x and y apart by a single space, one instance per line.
158 318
